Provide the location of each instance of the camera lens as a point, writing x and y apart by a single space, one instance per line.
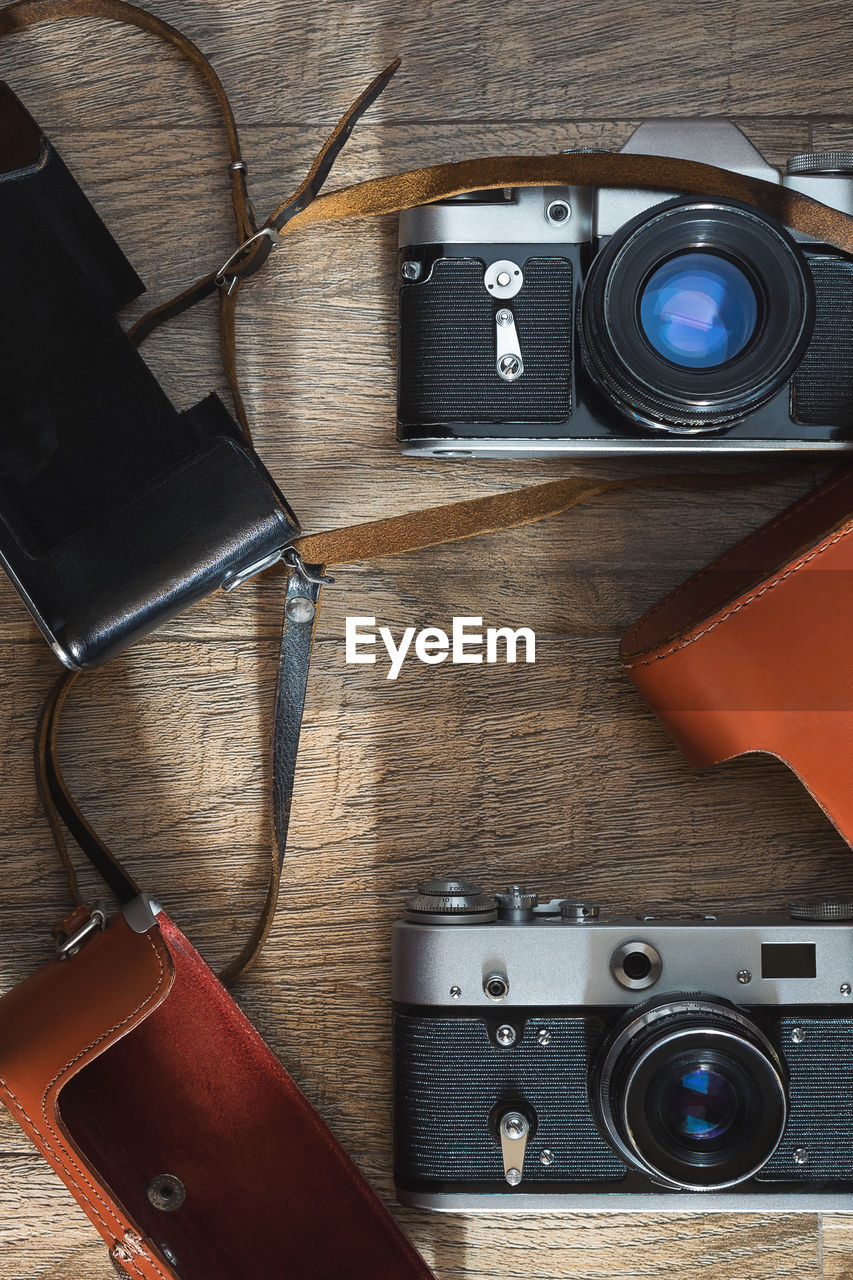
695 314
699 1104
698 310
691 1092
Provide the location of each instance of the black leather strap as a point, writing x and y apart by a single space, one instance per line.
301 610
60 807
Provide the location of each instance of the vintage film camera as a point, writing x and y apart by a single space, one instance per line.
542 321
547 1057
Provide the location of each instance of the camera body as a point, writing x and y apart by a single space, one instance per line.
549 1058
541 321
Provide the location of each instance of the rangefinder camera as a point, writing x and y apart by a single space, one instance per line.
540 321
548 1057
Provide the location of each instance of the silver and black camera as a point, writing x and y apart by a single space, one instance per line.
547 1057
539 321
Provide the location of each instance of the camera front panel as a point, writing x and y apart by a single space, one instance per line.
549 1057
823 383
448 344
453 402
453 1080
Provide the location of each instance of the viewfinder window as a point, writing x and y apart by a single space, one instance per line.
788 960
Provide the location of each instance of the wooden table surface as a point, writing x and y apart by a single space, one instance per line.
556 773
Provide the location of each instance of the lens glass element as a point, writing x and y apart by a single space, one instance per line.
700 1104
698 310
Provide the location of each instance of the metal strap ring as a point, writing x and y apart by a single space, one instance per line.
97 920
225 277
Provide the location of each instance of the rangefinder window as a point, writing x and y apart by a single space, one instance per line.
788 960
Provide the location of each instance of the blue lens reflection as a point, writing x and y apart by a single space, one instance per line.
698 310
701 1104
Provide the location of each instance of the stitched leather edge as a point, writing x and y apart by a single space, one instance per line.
752 539
60 1150
742 603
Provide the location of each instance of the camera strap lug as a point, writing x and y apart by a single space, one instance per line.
75 932
306 573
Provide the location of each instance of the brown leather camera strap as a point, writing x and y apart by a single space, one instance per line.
360 542
419 529
372 540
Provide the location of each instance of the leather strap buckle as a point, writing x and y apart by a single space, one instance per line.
229 273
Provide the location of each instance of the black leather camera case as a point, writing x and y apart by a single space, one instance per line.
116 510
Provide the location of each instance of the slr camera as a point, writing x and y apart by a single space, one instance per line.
541 321
547 1057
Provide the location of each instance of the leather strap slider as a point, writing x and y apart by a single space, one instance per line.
246 260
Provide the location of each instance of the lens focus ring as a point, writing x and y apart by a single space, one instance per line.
695 314
689 1091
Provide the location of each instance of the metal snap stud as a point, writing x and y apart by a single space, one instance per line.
166 1192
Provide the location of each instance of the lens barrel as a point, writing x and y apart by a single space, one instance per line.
695 314
689 1091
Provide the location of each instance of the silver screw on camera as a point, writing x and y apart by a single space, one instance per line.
801 1156
506 1035
798 1035
515 1125
845 988
744 976
547 1157
510 368
543 1036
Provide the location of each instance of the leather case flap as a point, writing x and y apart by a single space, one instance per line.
56 1023
753 653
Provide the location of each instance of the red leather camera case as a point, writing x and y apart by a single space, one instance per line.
130 1061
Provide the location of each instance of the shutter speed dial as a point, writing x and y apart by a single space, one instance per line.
516 904
822 163
459 901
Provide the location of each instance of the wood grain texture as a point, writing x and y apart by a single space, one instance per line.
554 773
